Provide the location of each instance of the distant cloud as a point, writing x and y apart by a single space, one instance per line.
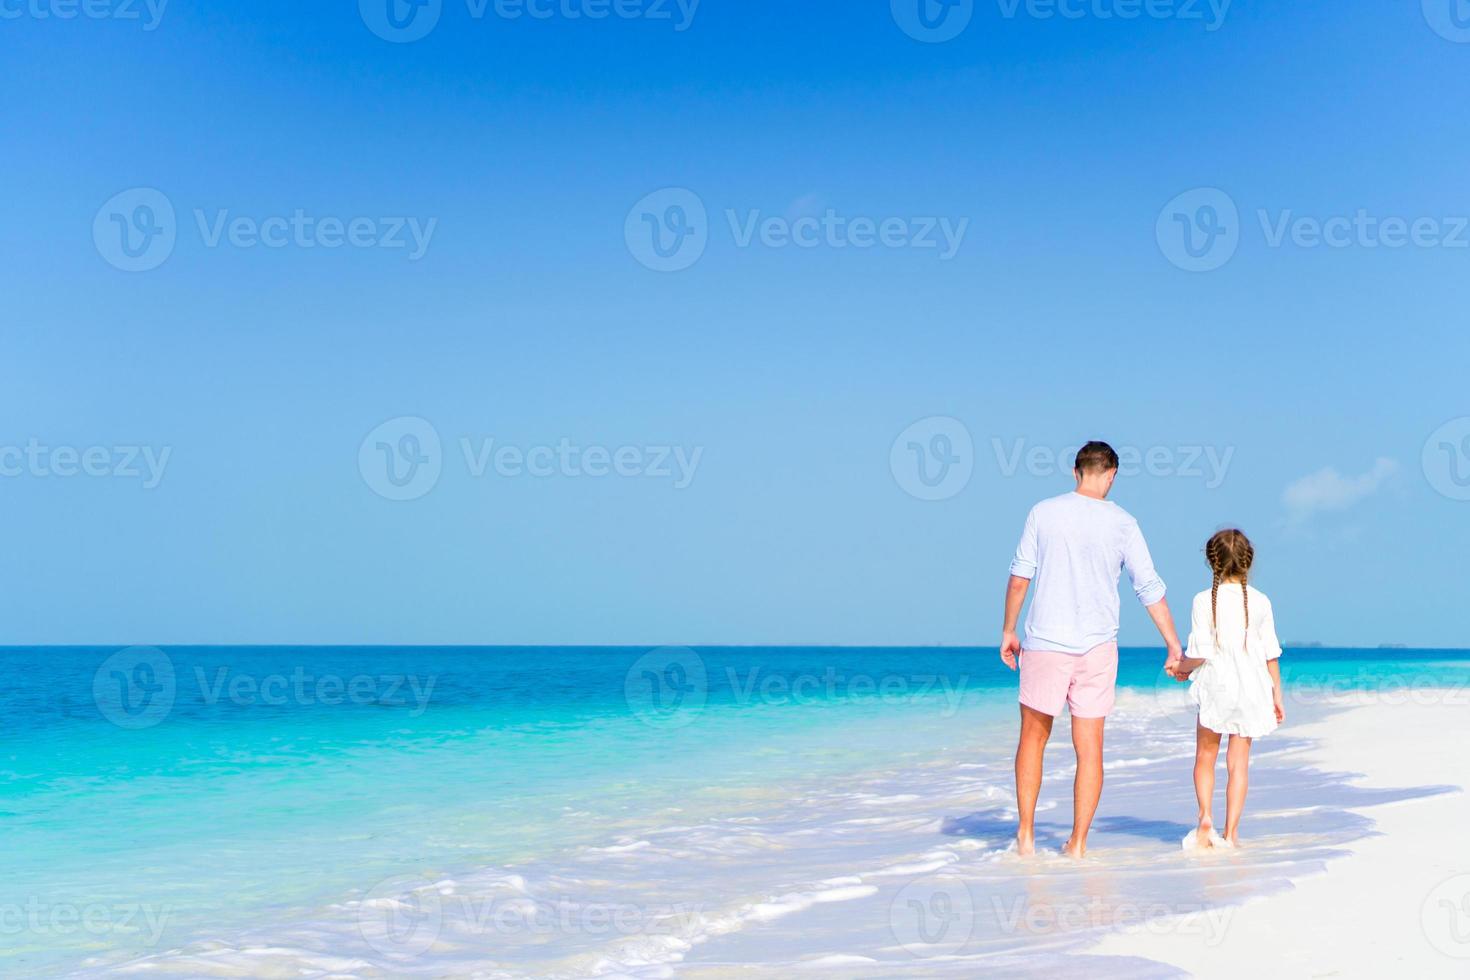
1329 490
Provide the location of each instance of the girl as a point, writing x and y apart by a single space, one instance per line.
1233 657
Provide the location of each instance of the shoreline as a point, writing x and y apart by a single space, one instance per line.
1398 900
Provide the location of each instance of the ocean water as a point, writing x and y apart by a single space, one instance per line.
573 812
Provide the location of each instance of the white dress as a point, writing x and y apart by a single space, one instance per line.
1233 688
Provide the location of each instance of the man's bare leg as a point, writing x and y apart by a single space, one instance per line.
1087 739
1030 750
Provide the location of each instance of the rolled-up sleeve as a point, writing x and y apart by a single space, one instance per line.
1266 630
1140 564
1024 564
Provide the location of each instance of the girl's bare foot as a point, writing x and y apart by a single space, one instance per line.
1025 845
1205 835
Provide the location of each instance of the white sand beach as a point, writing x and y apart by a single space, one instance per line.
1399 903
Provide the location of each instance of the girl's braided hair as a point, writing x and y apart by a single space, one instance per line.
1230 555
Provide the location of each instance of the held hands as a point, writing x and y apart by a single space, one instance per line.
1173 664
1010 648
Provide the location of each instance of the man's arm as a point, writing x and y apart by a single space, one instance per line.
1010 643
1164 622
1151 592
1023 568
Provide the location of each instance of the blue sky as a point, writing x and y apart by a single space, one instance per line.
1060 152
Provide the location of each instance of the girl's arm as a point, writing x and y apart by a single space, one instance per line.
1273 666
1186 666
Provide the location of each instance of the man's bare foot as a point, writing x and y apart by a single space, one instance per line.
1074 850
1025 845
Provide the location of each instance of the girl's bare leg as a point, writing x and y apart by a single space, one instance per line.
1237 766
1206 752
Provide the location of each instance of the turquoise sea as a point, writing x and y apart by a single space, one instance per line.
516 812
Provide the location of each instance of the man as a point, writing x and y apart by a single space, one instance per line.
1073 548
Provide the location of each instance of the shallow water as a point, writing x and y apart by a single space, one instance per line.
576 812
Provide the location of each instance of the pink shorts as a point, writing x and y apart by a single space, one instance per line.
1083 682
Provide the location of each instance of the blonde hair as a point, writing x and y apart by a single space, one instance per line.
1230 555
